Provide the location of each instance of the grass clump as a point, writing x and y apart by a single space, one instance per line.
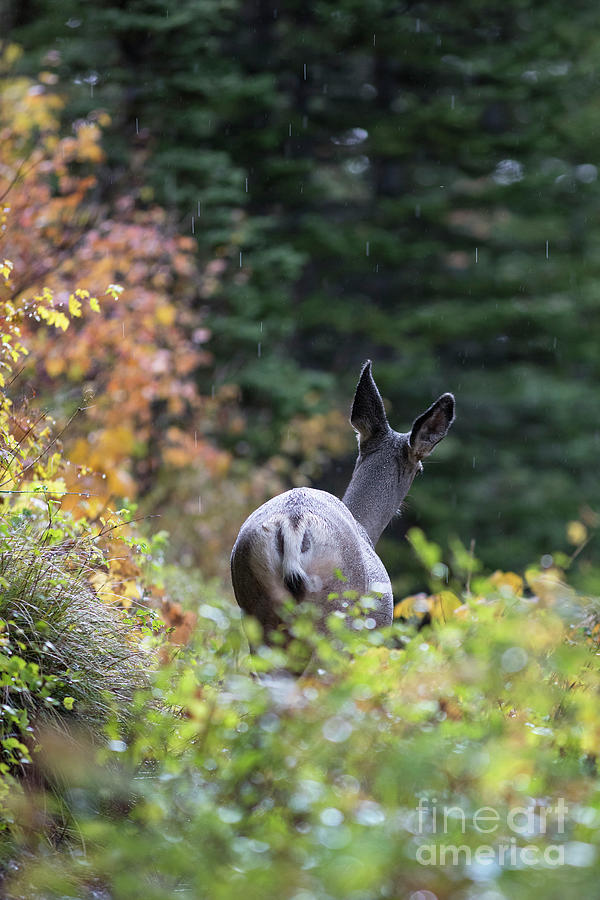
66 656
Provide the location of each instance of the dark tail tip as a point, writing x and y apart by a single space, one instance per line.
295 584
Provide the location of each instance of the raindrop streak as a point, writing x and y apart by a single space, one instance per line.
195 439
418 211
373 40
305 71
123 324
546 249
199 504
137 125
476 254
418 26
452 102
198 207
240 259
246 185
259 350
193 231
290 129
368 247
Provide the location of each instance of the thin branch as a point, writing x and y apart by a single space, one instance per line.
105 529
19 173
43 491
20 441
46 448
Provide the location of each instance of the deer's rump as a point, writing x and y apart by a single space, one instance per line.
307 544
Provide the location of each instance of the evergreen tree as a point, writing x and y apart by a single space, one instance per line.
416 183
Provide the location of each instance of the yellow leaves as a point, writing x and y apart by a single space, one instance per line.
54 364
508 583
440 606
53 317
6 268
144 352
576 533
74 305
119 440
411 606
114 291
88 143
11 54
129 592
444 604
165 314
32 109
107 455
118 579
77 297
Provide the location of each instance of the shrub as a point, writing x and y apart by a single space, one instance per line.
65 654
233 785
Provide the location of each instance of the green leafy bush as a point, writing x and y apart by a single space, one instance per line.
65 654
452 762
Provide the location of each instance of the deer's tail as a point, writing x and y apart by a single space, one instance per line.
293 541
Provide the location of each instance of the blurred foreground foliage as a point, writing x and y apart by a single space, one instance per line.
327 787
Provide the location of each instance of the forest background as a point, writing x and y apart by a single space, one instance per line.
403 182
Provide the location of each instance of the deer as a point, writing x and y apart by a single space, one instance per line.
313 547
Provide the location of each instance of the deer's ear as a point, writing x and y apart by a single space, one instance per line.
429 429
368 416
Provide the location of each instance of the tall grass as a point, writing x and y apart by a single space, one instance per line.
65 654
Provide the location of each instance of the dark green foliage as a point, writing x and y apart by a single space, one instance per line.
412 183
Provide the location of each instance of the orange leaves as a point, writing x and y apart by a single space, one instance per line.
135 362
182 622
132 366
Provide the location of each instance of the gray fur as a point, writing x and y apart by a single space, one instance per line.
301 541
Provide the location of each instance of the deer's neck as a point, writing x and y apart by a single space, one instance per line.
371 495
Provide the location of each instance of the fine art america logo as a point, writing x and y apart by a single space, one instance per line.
512 834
